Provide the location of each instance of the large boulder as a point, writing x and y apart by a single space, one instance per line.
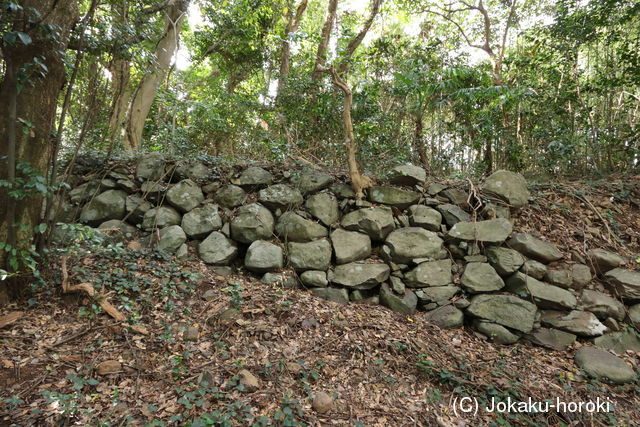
602 305
185 195
408 175
150 167
217 249
581 323
603 365
263 256
160 217
357 275
252 222
84 192
253 177
171 238
506 310
431 273
350 246
445 317
505 261
602 260
452 214
544 295
280 196
314 255
409 243
310 181
491 231
324 206
481 277
534 248
136 207
294 228
375 222
230 196
201 221
393 196
405 304
626 283
103 207
508 186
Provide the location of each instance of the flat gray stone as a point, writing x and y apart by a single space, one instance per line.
409 243
431 273
230 196
481 277
253 177
496 333
445 317
341 296
602 305
535 248
552 338
581 323
357 275
408 175
377 223
602 260
437 294
625 283
603 365
310 181
425 217
452 214
393 196
506 310
150 167
314 278
619 342
544 295
171 238
350 246
103 207
504 260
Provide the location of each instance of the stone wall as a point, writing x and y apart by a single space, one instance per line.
412 245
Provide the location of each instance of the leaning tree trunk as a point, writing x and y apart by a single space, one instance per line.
36 104
148 88
359 182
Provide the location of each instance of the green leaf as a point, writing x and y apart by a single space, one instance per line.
24 38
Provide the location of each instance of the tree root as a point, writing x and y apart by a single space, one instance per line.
86 287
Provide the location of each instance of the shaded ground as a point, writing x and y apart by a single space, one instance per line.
383 368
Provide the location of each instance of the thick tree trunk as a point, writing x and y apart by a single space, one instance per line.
36 103
121 97
148 88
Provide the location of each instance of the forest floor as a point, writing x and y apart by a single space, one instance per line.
193 334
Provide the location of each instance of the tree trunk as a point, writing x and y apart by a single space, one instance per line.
359 182
418 144
325 36
293 21
120 72
148 88
35 103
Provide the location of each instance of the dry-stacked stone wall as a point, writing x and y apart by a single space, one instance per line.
412 245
